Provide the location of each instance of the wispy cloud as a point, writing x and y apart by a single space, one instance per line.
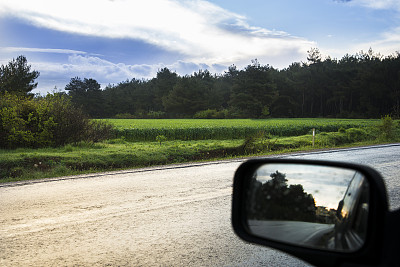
387 44
39 50
377 4
201 31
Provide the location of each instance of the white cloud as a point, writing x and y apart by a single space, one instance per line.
203 32
106 72
378 4
89 67
207 36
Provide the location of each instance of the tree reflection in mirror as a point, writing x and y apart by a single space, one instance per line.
307 205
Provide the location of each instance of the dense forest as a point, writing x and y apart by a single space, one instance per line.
365 85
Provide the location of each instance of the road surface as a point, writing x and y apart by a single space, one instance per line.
293 232
149 217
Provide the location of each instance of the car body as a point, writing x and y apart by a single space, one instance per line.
366 234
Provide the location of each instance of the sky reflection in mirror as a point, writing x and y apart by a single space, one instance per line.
326 184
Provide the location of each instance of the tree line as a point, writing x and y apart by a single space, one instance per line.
364 85
276 200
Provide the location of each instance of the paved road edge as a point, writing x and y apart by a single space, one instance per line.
185 165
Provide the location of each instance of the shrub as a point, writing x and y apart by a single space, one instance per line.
23 122
156 114
98 131
46 121
356 134
334 139
258 142
161 138
72 124
210 114
347 136
386 128
124 116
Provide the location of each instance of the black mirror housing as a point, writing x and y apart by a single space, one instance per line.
370 250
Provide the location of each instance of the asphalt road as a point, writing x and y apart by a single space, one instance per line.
172 216
294 232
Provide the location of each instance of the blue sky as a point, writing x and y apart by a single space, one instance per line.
112 41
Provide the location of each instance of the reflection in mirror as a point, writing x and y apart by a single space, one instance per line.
307 205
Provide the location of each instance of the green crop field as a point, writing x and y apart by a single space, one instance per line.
141 143
191 129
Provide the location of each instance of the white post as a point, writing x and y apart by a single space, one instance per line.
313 136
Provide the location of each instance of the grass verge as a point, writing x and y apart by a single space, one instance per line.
116 154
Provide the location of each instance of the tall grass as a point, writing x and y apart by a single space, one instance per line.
148 130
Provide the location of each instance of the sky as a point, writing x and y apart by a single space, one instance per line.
327 184
113 41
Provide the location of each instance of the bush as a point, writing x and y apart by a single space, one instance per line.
347 136
258 142
98 131
124 116
386 128
210 114
140 114
356 134
46 121
156 115
72 124
333 139
23 122
161 138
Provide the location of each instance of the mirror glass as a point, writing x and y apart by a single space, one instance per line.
307 205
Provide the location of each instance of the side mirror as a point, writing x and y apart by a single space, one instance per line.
326 213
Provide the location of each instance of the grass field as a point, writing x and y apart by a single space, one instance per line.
136 144
26 163
262 123
188 129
